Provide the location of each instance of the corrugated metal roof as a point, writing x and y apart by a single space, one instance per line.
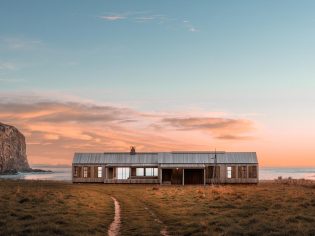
208 158
115 158
182 165
132 165
165 158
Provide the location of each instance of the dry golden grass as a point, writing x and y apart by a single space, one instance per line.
267 208
51 208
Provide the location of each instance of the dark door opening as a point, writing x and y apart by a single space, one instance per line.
166 175
194 176
110 173
177 176
172 176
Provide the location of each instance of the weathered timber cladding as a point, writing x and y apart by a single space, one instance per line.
133 171
200 167
242 172
252 171
213 172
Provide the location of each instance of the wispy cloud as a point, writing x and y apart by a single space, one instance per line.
6 70
13 43
56 129
146 17
217 126
112 17
189 26
7 66
234 137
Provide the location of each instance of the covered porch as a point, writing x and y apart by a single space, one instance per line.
183 174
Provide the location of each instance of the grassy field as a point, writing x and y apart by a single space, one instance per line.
57 208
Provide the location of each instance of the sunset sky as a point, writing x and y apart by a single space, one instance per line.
101 76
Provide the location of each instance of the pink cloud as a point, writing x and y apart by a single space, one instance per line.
54 130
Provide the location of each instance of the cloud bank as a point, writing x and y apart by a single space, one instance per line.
54 130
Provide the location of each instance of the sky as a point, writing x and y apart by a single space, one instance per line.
83 76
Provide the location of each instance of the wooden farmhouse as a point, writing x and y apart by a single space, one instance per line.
165 167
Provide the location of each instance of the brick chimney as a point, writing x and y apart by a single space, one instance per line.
132 150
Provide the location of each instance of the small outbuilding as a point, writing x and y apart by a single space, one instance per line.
165 167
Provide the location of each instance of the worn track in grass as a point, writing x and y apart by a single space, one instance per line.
137 218
114 227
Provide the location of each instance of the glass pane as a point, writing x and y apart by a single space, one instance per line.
229 172
85 172
123 173
140 171
127 173
99 172
149 171
119 173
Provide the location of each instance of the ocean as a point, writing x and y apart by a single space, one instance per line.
61 173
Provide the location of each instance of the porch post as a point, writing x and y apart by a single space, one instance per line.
160 177
204 176
183 176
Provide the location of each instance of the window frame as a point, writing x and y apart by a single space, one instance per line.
242 172
151 171
75 171
85 171
229 172
124 172
142 173
252 172
99 172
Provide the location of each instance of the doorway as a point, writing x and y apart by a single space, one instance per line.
194 176
172 176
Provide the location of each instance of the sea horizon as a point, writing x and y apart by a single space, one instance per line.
63 173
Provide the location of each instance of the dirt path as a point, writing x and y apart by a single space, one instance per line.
135 210
163 231
115 225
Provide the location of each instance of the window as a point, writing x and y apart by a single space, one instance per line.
99 172
229 172
242 172
85 172
151 171
140 172
252 172
75 172
123 173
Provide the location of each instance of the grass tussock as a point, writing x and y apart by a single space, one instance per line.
283 207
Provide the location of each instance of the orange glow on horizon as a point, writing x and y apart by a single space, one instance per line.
55 131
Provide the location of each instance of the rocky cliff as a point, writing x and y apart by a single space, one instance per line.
12 150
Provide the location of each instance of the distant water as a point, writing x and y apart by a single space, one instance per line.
270 173
59 173
64 173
